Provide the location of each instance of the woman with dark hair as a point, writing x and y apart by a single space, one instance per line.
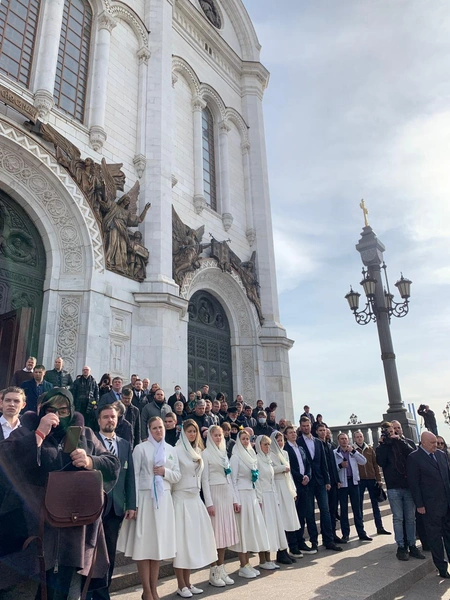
26 457
104 386
220 501
249 518
315 425
194 535
150 538
442 445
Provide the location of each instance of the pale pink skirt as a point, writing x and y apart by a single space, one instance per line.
224 522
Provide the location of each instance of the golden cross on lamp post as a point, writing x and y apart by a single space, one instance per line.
365 211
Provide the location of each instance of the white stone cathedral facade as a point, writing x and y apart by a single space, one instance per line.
173 89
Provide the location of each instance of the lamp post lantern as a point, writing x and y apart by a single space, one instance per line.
380 307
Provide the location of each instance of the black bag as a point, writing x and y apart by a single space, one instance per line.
380 493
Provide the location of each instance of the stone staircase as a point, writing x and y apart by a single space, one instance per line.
126 576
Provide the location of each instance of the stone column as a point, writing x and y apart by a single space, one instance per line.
250 231
224 168
97 134
198 104
47 57
139 160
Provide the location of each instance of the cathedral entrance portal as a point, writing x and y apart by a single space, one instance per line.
209 348
22 273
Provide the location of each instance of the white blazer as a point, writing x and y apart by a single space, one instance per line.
356 458
143 466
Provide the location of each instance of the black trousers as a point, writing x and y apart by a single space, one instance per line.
438 533
111 527
333 504
296 538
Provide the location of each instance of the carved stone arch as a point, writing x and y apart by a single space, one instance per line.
179 65
244 29
215 102
70 233
127 14
228 287
233 116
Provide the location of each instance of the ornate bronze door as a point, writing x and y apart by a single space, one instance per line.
209 349
22 272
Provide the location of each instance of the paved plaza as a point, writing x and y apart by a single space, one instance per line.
362 571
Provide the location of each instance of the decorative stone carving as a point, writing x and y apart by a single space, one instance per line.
227 220
97 137
106 21
248 375
68 326
186 248
124 252
43 102
15 101
211 12
23 300
139 161
143 55
251 236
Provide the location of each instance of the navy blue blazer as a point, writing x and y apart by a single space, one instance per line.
30 389
320 474
429 481
123 494
295 467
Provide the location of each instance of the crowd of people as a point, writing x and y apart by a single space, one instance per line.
188 477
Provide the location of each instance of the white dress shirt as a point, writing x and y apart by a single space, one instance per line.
7 429
296 449
106 441
309 441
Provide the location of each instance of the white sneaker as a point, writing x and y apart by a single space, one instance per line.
215 577
184 593
267 566
247 572
224 575
275 566
195 590
255 571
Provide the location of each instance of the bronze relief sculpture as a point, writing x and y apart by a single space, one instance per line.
211 12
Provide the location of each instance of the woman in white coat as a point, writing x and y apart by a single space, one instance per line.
270 504
249 518
220 500
196 546
150 538
285 486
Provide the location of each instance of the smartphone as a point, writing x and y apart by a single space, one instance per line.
72 438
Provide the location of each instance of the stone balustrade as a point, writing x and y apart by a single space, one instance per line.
371 431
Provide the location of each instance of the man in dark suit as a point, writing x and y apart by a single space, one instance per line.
132 415
122 498
429 482
332 493
114 395
35 387
301 474
318 487
139 399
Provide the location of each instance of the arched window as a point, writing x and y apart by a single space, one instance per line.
18 23
209 159
73 58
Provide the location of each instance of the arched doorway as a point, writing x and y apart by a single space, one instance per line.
209 348
22 273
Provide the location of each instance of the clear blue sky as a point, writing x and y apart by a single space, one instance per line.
358 106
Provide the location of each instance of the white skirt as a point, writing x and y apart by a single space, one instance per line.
287 506
152 535
250 524
224 521
196 545
274 522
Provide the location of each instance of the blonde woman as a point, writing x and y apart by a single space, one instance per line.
196 546
249 518
220 500
286 490
270 504
150 538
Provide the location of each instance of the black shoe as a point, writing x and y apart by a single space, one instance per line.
345 539
295 552
337 539
444 574
415 552
382 531
315 547
283 558
333 547
402 553
294 560
306 549
365 538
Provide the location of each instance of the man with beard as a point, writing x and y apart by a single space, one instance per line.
157 408
122 498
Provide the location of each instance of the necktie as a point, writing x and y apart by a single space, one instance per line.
118 395
111 446
433 457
